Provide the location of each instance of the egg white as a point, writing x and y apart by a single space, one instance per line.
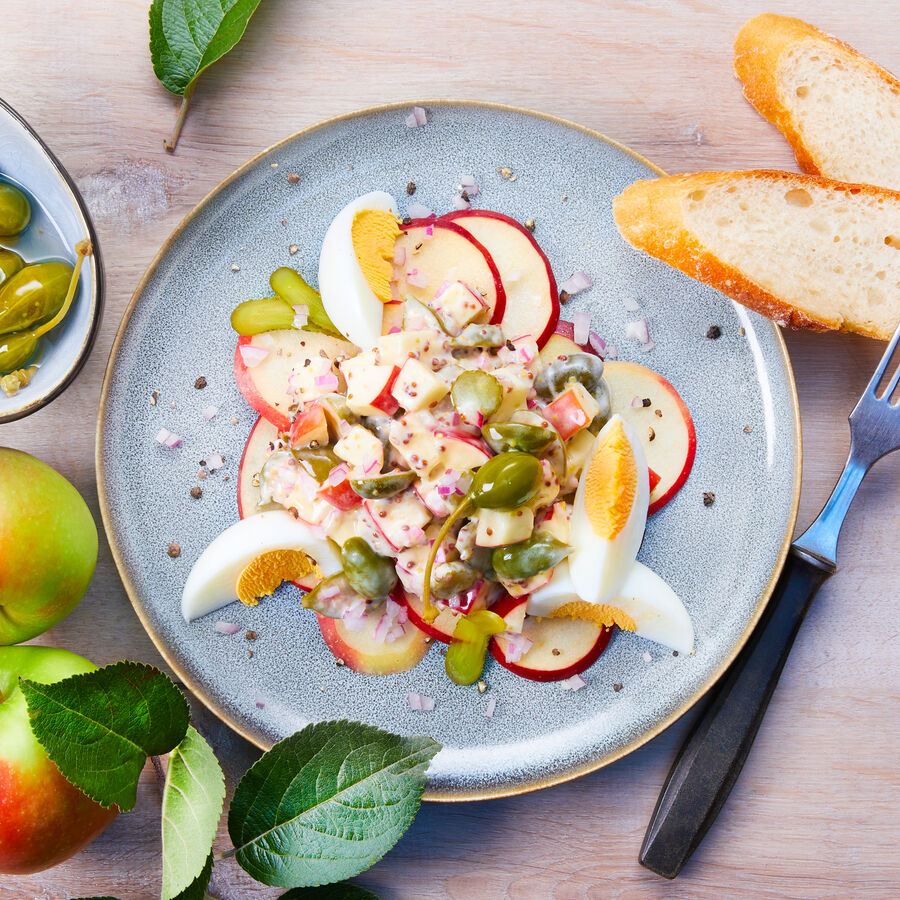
658 613
349 301
600 566
212 582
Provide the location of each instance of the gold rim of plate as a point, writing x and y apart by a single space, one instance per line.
223 714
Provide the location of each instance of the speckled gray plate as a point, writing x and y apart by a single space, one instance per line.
722 560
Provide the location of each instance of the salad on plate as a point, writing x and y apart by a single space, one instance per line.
439 458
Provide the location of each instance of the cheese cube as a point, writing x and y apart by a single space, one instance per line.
417 387
497 527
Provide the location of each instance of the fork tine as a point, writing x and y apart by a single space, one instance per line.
882 367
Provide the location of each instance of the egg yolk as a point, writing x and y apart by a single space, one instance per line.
374 233
611 483
269 570
602 615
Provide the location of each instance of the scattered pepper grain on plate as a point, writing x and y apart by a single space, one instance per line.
293 177
617 687
174 550
747 429
411 188
235 268
708 498
196 493
200 383
482 687
529 224
293 249
154 396
714 332
251 635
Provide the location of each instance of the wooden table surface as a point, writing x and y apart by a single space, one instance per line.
815 811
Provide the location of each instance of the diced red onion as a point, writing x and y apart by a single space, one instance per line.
575 683
209 412
440 291
517 645
416 118
464 601
329 381
415 535
612 351
338 475
263 340
429 230
260 702
373 466
330 592
638 330
646 348
532 403
253 356
636 402
579 281
630 305
301 315
444 490
597 344
420 702
460 202
416 210
168 439
390 625
489 709
215 461
582 327
354 616
467 183
395 329
416 278
226 628
399 255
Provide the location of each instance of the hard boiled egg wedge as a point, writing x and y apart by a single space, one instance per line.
252 557
645 605
356 266
609 513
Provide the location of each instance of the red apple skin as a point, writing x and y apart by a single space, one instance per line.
48 547
340 496
386 401
567 415
504 606
43 818
247 387
254 455
309 425
446 223
462 214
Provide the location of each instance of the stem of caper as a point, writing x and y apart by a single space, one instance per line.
83 249
430 612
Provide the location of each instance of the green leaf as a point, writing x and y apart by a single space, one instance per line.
196 890
188 36
100 727
192 804
343 890
327 803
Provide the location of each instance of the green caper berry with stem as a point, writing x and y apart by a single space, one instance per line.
505 481
452 578
465 655
258 316
503 436
15 210
516 562
34 294
372 576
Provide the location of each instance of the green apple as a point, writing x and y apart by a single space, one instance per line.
48 547
44 819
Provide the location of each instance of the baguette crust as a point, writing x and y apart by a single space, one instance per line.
758 48
650 217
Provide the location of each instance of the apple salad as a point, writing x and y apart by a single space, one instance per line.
439 458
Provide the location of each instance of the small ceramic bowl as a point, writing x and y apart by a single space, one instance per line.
59 220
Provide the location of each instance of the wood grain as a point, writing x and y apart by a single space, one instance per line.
814 814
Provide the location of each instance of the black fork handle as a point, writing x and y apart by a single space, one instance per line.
713 755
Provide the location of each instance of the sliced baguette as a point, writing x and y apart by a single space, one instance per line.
839 110
807 252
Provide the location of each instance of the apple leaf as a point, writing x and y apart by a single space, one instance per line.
188 36
327 802
100 727
192 804
343 890
196 890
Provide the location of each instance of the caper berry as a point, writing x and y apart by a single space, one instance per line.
370 575
516 562
506 481
452 578
10 263
35 293
15 210
465 655
16 349
331 596
319 461
503 436
584 368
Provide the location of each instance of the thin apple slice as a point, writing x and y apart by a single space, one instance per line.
435 251
560 648
671 451
532 298
361 652
256 451
265 385
441 629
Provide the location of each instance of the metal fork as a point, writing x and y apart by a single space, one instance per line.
714 753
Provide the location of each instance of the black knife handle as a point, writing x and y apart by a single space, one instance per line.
715 751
